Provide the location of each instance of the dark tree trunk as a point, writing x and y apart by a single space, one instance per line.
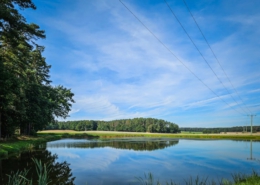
1 171
29 129
0 125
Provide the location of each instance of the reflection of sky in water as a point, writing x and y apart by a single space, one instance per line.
213 159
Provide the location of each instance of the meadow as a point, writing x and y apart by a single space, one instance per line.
183 135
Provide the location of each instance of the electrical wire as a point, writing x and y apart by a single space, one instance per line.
202 55
214 54
178 58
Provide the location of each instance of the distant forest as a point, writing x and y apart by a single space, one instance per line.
127 125
221 129
141 125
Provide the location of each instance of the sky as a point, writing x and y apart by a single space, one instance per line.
131 58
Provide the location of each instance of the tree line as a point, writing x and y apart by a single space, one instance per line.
221 129
127 125
28 101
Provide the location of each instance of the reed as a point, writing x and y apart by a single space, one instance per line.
43 171
20 177
238 179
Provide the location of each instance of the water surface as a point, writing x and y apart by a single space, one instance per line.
120 161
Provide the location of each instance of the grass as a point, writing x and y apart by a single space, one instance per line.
21 143
185 135
18 144
186 132
20 177
238 179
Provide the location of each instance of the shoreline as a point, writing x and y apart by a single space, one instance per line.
22 143
111 134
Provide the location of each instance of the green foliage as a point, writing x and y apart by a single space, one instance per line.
148 180
127 125
27 100
43 171
47 172
238 179
19 178
221 129
242 179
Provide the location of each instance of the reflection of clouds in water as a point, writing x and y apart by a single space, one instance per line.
88 159
216 149
213 159
69 155
190 159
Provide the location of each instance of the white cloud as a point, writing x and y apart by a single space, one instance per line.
117 69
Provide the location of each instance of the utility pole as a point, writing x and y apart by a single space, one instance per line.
252 116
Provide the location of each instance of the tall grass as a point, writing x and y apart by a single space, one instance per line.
20 177
43 171
238 179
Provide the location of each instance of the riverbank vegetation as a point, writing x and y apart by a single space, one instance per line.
185 135
44 176
42 173
28 101
238 179
17 144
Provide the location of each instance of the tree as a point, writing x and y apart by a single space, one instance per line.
27 100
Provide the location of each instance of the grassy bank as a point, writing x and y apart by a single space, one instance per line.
112 134
18 144
21 143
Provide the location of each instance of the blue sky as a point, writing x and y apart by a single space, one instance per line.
118 69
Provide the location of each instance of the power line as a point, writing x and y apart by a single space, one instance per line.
202 54
214 54
178 58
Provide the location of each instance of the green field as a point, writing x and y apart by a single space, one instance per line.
187 135
186 132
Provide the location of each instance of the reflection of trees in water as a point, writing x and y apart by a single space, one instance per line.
119 144
60 174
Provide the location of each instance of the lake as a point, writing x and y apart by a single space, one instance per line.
122 161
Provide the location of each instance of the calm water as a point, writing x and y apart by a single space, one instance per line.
120 161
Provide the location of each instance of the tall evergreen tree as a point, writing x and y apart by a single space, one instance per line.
27 100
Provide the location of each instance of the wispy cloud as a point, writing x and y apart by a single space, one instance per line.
117 69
